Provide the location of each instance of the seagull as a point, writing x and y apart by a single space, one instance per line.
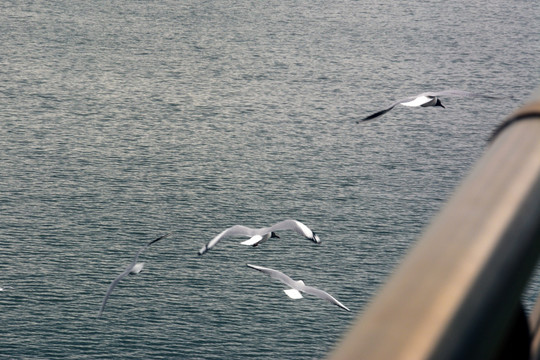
297 286
133 269
258 236
426 99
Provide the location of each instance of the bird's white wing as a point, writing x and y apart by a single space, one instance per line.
275 274
450 92
234 231
323 295
472 94
296 226
293 225
113 285
462 93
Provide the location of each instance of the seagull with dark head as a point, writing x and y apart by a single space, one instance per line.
258 236
426 99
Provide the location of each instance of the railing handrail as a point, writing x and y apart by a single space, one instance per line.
456 293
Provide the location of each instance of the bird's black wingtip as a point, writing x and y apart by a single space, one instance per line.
203 250
160 238
373 116
377 114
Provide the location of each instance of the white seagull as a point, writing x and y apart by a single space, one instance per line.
133 269
258 236
426 99
297 286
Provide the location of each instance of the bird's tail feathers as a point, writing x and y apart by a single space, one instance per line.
137 268
293 293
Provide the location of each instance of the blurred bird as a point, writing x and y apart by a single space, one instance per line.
426 99
133 269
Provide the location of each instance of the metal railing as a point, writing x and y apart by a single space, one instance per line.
457 293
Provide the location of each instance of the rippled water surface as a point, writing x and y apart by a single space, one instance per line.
121 121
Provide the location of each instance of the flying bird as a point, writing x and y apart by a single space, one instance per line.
133 269
258 236
426 99
296 287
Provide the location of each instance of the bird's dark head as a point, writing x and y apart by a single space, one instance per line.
439 103
274 235
315 238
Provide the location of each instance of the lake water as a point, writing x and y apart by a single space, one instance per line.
121 121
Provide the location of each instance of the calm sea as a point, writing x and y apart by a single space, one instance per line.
123 120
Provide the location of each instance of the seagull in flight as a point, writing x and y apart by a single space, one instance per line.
133 269
297 286
258 236
426 99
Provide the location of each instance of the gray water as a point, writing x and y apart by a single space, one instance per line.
121 121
